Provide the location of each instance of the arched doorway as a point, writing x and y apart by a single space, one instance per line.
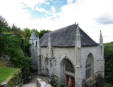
89 66
67 73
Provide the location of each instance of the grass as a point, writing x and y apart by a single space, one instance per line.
6 73
108 85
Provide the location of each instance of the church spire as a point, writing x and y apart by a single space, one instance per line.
101 38
49 45
77 37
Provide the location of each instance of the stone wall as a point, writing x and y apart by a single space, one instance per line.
61 53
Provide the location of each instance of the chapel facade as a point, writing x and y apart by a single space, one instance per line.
69 53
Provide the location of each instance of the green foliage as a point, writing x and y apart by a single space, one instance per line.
3 25
3 28
107 85
58 82
27 32
1 44
14 42
36 32
22 62
17 31
11 44
108 54
13 49
14 80
42 32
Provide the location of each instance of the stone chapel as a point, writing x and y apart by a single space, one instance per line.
68 53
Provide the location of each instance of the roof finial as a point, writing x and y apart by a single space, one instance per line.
101 38
33 36
75 23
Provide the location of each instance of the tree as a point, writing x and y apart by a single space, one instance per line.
42 32
18 56
27 32
12 40
3 25
3 29
36 32
108 54
17 31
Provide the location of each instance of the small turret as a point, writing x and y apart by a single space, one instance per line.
33 39
33 50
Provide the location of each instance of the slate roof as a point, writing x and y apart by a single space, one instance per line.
33 36
65 37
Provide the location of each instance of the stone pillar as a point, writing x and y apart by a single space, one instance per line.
51 59
52 66
78 76
100 69
78 67
38 56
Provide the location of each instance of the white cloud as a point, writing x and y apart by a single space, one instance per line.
13 11
54 14
41 10
105 19
85 12
33 3
69 1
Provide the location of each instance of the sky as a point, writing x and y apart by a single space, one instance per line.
91 15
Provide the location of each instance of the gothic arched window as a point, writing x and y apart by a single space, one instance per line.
89 66
46 61
36 43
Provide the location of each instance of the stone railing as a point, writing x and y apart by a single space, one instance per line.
41 83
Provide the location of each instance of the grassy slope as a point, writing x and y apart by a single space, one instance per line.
7 73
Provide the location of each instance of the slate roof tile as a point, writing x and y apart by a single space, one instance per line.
65 37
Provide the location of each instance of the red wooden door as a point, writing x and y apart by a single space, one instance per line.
72 81
67 80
